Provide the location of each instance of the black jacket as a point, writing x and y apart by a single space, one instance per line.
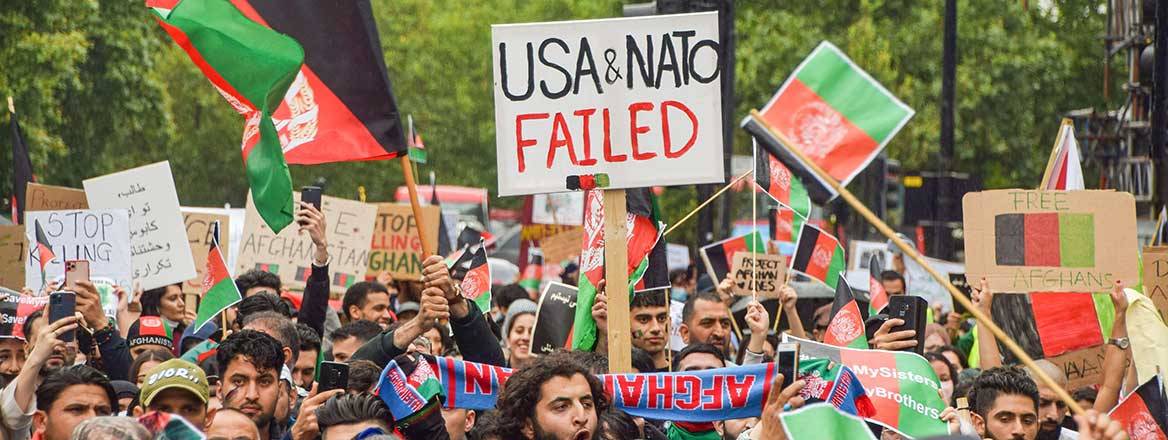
472 333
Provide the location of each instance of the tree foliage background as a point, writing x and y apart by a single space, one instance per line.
100 88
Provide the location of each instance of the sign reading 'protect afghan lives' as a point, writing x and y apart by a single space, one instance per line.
1051 241
637 99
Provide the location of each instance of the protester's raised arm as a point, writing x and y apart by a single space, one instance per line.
788 297
987 351
316 288
1114 357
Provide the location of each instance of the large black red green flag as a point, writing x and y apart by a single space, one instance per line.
21 171
341 107
1047 324
1144 413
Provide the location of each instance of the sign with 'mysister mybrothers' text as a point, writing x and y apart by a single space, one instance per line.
635 99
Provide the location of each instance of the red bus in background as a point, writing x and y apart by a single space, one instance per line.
470 203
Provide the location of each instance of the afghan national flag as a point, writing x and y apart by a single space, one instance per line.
21 172
823 421
836 384
268 267
1051 239
777 181
476 275
533 272
785 224
719 256
877 296
846 328
1047 324
302 273
417 148
1064 170
44 250
200 351
818 255
833 112
902 386
643 235
219 289
343 280
14 310
1144 413
253 67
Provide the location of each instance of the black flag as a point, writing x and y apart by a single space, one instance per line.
21 172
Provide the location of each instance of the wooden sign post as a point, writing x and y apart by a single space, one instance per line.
616 249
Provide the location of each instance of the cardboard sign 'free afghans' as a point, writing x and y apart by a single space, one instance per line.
1051 241
637 99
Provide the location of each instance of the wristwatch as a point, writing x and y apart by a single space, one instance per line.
1122 343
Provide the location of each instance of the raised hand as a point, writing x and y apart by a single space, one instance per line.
886 339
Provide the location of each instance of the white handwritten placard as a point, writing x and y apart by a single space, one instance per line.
100 236
159 250
635 99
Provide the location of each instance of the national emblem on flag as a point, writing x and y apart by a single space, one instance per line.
777 181
475 275
1144 412
819 256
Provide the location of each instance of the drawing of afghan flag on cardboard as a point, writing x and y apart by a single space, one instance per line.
1050 241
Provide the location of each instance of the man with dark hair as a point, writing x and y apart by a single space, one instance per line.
346 415
350 337
260 302
305 369
506 294
363 376
369 301
649 324
250 362
69 396
258 281
18 399
553 398
698 357
893 282
1004 401
279 327
706 319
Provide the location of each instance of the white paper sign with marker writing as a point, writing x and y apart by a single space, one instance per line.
100 236
636 99
159 250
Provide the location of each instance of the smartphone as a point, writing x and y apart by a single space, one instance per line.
311 195
75 270
912 310
62 304
333 376
787 359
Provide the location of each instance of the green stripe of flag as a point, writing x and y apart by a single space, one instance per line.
852 92
1105 310
919 414
836 269
1076 239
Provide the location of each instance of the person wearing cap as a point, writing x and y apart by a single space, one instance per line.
407 310
177 387
148 333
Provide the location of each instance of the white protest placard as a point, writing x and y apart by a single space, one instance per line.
637 99
558 209
289 254
100 236
159 250
676 256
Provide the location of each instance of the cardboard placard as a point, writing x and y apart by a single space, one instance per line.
1156 278
100 236
289 254
199 232
12 256
766 273
1083 367
1052 241
553 319
563 246
600 101
158 249
558 209
396 247
40 197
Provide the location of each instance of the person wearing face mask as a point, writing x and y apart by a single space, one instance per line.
945 373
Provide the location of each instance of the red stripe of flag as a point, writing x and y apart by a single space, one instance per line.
732 247
1042 239
1065 321
817 266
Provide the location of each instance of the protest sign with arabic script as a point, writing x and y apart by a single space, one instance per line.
159 251
553 319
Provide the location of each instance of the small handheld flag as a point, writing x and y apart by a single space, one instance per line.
475 275
219 289
819 256
877 296
846 328
44 250
1144 413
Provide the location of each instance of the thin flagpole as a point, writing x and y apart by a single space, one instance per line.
707 202
753 217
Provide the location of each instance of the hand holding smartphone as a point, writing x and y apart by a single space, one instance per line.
62 304
311 195
912 310
333 376
787 359
75 270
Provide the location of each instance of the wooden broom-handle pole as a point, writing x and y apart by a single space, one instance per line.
981 318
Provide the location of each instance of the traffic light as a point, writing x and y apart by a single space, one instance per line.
893 192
